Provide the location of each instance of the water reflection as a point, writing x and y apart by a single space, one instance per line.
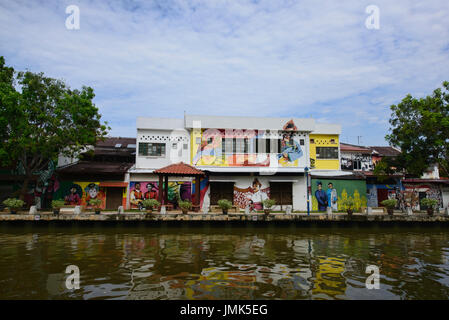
150 263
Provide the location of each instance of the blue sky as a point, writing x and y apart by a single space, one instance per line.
263 58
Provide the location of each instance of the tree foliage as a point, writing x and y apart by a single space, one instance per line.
420 128
41 117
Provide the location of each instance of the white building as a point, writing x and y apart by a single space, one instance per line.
246 159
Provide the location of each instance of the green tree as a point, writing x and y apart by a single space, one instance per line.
420 128
41 118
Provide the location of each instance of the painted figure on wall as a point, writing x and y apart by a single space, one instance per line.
290 150
93 191
258 196
74 197
136 195
321 197
48 193
138 191
252 196
152 191
332 197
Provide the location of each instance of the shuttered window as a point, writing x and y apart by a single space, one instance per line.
281 192
221 190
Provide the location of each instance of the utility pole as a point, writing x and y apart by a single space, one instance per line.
358 140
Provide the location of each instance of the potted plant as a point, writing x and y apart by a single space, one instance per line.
57 205
96 203
267 204
348 204
390 204
224 205
185 206
430 204
150 204
13 204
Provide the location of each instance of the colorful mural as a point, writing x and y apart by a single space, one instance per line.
252 196
290 151
344 189
139 191
92 190
226 147
415 192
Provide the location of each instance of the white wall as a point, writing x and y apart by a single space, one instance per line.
445 192
180 137
300 194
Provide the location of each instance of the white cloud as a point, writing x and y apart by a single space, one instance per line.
262 58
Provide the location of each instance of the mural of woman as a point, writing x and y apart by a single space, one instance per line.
93 192
258 196
290 149
74 197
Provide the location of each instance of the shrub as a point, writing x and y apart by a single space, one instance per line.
389 203
268 203
429 203
96 203
348 203
14 203
224 204
56 204
150 204
186 205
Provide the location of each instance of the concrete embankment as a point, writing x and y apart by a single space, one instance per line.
296 218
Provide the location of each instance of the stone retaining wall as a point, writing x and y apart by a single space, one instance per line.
223 218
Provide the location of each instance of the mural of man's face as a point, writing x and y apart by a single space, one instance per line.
93 192
320 187
330 185
73 190
256 187
137 186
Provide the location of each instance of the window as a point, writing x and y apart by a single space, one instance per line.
268 145
357 165
151 149
185 146
221 190
174 145
312 141
281 192
326 152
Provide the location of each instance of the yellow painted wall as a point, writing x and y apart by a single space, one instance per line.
323 140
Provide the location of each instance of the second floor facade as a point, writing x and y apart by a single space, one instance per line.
245 144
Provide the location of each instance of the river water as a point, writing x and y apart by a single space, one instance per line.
141 262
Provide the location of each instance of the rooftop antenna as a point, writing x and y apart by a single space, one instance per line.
358 140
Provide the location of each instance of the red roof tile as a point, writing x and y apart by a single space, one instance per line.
180 168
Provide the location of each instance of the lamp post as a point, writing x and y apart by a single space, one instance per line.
306 171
